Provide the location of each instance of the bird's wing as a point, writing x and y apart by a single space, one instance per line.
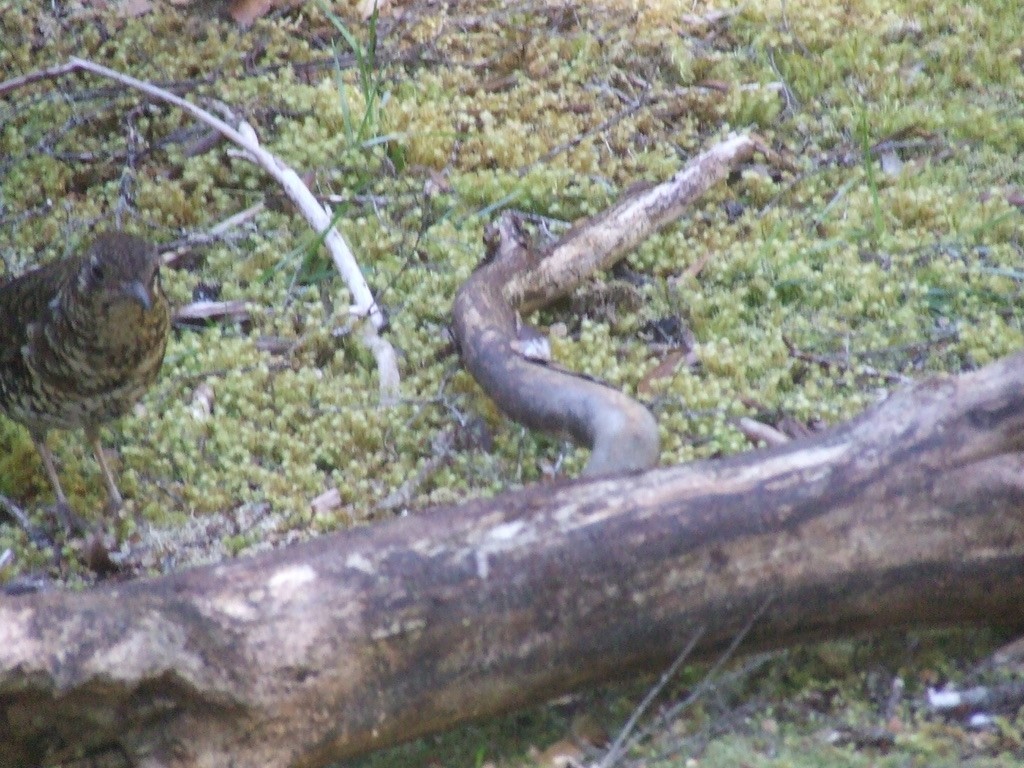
24 300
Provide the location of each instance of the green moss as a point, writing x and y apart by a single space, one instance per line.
868 275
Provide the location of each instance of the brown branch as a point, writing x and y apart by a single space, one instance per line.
601 241
59 70
621 433
912 514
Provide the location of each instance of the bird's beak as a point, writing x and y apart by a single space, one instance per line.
139 292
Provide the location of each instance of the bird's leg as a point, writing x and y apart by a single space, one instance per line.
115 502
66 515
51 470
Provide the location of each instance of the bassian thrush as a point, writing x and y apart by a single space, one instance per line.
81 340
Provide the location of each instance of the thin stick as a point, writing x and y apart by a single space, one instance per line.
757 431
676 709
617 748
33 77
35 534
626 740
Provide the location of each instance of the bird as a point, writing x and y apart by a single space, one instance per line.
81 341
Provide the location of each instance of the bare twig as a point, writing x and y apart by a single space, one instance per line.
33 77
1000 698
198 311
34 533
845 364
617 748
757 431
705 684
175 251
694 743
403 495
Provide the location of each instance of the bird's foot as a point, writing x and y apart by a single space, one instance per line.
114 505
96 554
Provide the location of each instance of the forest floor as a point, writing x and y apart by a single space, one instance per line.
891 250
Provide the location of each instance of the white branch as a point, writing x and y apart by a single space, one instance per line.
315 213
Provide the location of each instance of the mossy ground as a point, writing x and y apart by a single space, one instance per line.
822 288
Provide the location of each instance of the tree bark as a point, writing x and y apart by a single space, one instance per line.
912 514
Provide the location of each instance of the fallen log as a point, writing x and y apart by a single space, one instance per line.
911 515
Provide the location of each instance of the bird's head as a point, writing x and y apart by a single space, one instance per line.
118 273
